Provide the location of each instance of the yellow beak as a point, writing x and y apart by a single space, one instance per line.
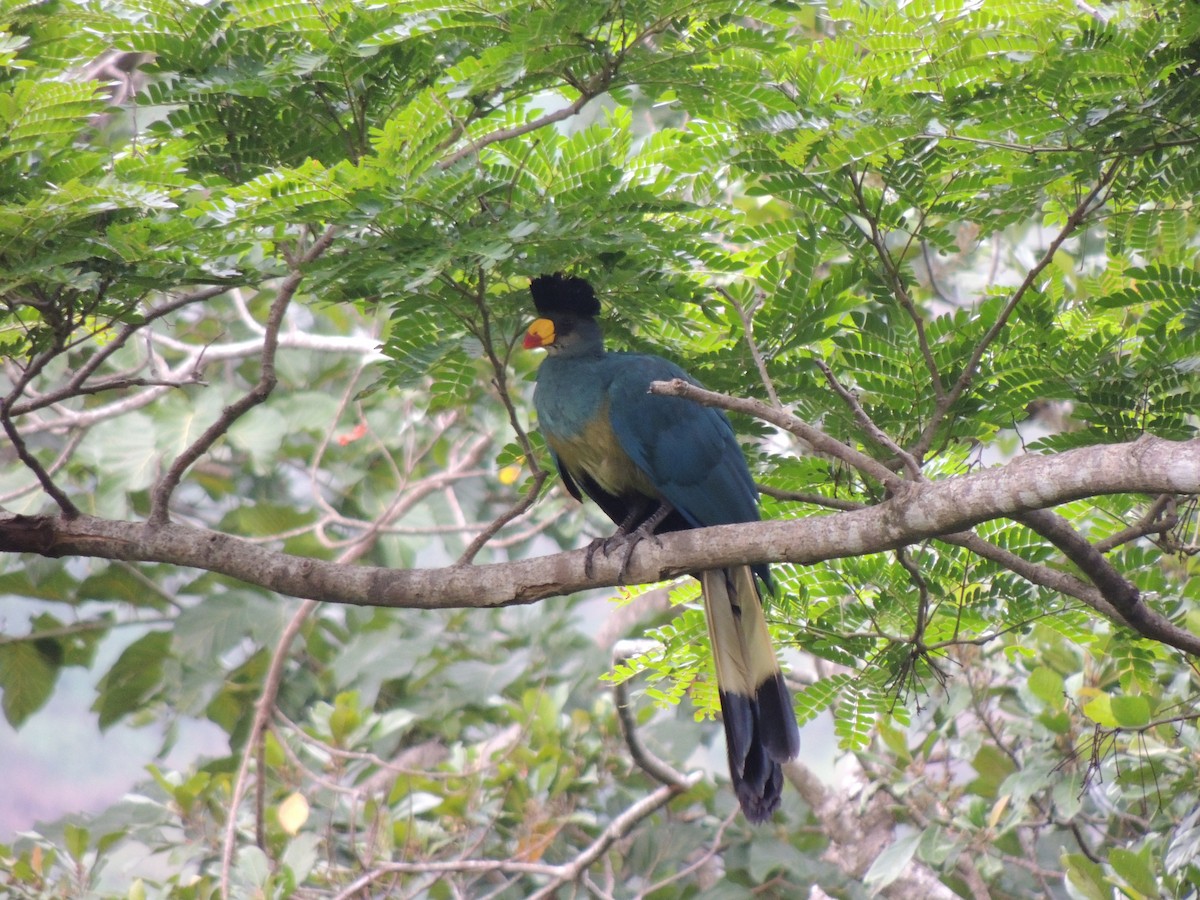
540 334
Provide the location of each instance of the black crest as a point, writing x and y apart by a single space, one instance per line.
559 293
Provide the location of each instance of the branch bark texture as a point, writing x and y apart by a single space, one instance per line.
915 512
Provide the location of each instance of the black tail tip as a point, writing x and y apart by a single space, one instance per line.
760 800
760 735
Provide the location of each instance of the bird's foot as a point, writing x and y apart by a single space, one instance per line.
631 540
600 545
627 537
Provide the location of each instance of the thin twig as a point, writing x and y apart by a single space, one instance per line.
895 280
877 434
588 91
76 385
656 768
69 509
1161 517
161 495
558 875
500 382
945 401
613 832
704 859
65 456
747 318
1046 576
591 91
262 716
810 497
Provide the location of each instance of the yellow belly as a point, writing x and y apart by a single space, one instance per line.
595 452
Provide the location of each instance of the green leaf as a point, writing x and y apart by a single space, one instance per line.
259 433
891 863
135 675
252 866
76 839
1100 710
1183 849
1131 710
769 857
124 448
1087 878
301 855
27 677
345 717
1047 685
207 630
993 766
1136 869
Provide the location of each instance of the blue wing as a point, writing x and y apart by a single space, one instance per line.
689 452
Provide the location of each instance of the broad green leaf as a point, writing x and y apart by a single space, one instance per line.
125 449
993 767
1047 686
1087 878
1136 868
27 676
1131 710
891 863
260 433
135 675
76 838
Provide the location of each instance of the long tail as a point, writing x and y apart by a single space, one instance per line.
760 723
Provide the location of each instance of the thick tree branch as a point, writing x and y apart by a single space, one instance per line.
1115 587
916 512
1036 573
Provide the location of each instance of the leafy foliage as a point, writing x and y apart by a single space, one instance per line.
968 228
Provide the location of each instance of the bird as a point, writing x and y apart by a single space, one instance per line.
656 464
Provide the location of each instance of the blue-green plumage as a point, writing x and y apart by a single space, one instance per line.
638 454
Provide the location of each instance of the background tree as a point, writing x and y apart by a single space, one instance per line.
263 270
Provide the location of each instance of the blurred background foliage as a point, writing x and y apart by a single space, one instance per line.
978 217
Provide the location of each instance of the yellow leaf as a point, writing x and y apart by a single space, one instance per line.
509 474
997 811
1100 711
293 813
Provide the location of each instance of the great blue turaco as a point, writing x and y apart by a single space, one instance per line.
654 464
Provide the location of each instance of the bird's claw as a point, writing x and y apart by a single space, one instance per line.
628 540
631 541
623 535
589 561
